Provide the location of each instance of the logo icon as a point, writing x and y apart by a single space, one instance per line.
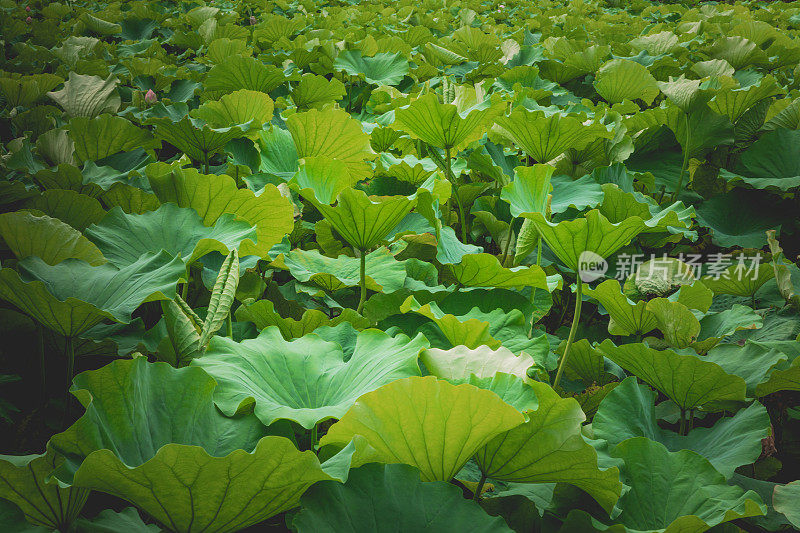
591 266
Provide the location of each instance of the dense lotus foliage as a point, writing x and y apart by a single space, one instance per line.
420 265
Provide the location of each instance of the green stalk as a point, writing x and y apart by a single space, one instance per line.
477 495
229 323
682 425
533 289
685 161
449 166
508 243
314 437
362 282
575 319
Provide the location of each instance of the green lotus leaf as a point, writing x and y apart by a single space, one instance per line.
123 238
87 96
151 435
686 94
78 210
663 42
716 326
629 411
384 273
698 132
316 92
409 168
386 498
190 135
510 388
687 380
530 190
334 134
770 163
549 448
755 214
441 125
73 296
238 72
27 90
676 321
380 69
239 107
425 422
105 135
579 194
626 317
590 233
459 362
677 491
741 279
735 102
278 153
546 137
623 79
47 238
585 363
327 177
306 380
45 503
485 270
262 313
785 501
754 362
362 221
738 51
470 332
784 377
270 212
129 198
618 205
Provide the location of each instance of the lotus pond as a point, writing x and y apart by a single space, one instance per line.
430 265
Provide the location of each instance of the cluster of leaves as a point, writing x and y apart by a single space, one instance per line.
318 266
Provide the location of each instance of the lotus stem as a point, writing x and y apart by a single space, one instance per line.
314 437
362 282
229 324
479 488
685 161
575 319
508 243
69 348
449 167
682 424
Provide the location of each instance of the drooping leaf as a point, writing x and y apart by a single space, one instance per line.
485 270
380 69
240 107
262 313
87 96
47 238
426 423
623 79
238 72
769 163
105 135
459 362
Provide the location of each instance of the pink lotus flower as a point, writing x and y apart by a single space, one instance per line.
150 97
502 6
28 9
253 20
28 20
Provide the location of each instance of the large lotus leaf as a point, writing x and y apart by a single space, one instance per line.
618 205
590 233
327 177
458 330
716 326
76 209
755 214
213 196
190 135
579 194
73 296
629 411
47 238
623 79
626 317
676 321
482 361
380 69
687 380
123 238
785 501
109 521
442 125
734 102
240 107
100 137
390 498
425 422
262 314
549 448
530 190
151 435
743 278
306 380
334 134
754 362
26 90
316 92
25 483
677 491
546 137
238 72
485 270
87 96
384 272
363 221
772 162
